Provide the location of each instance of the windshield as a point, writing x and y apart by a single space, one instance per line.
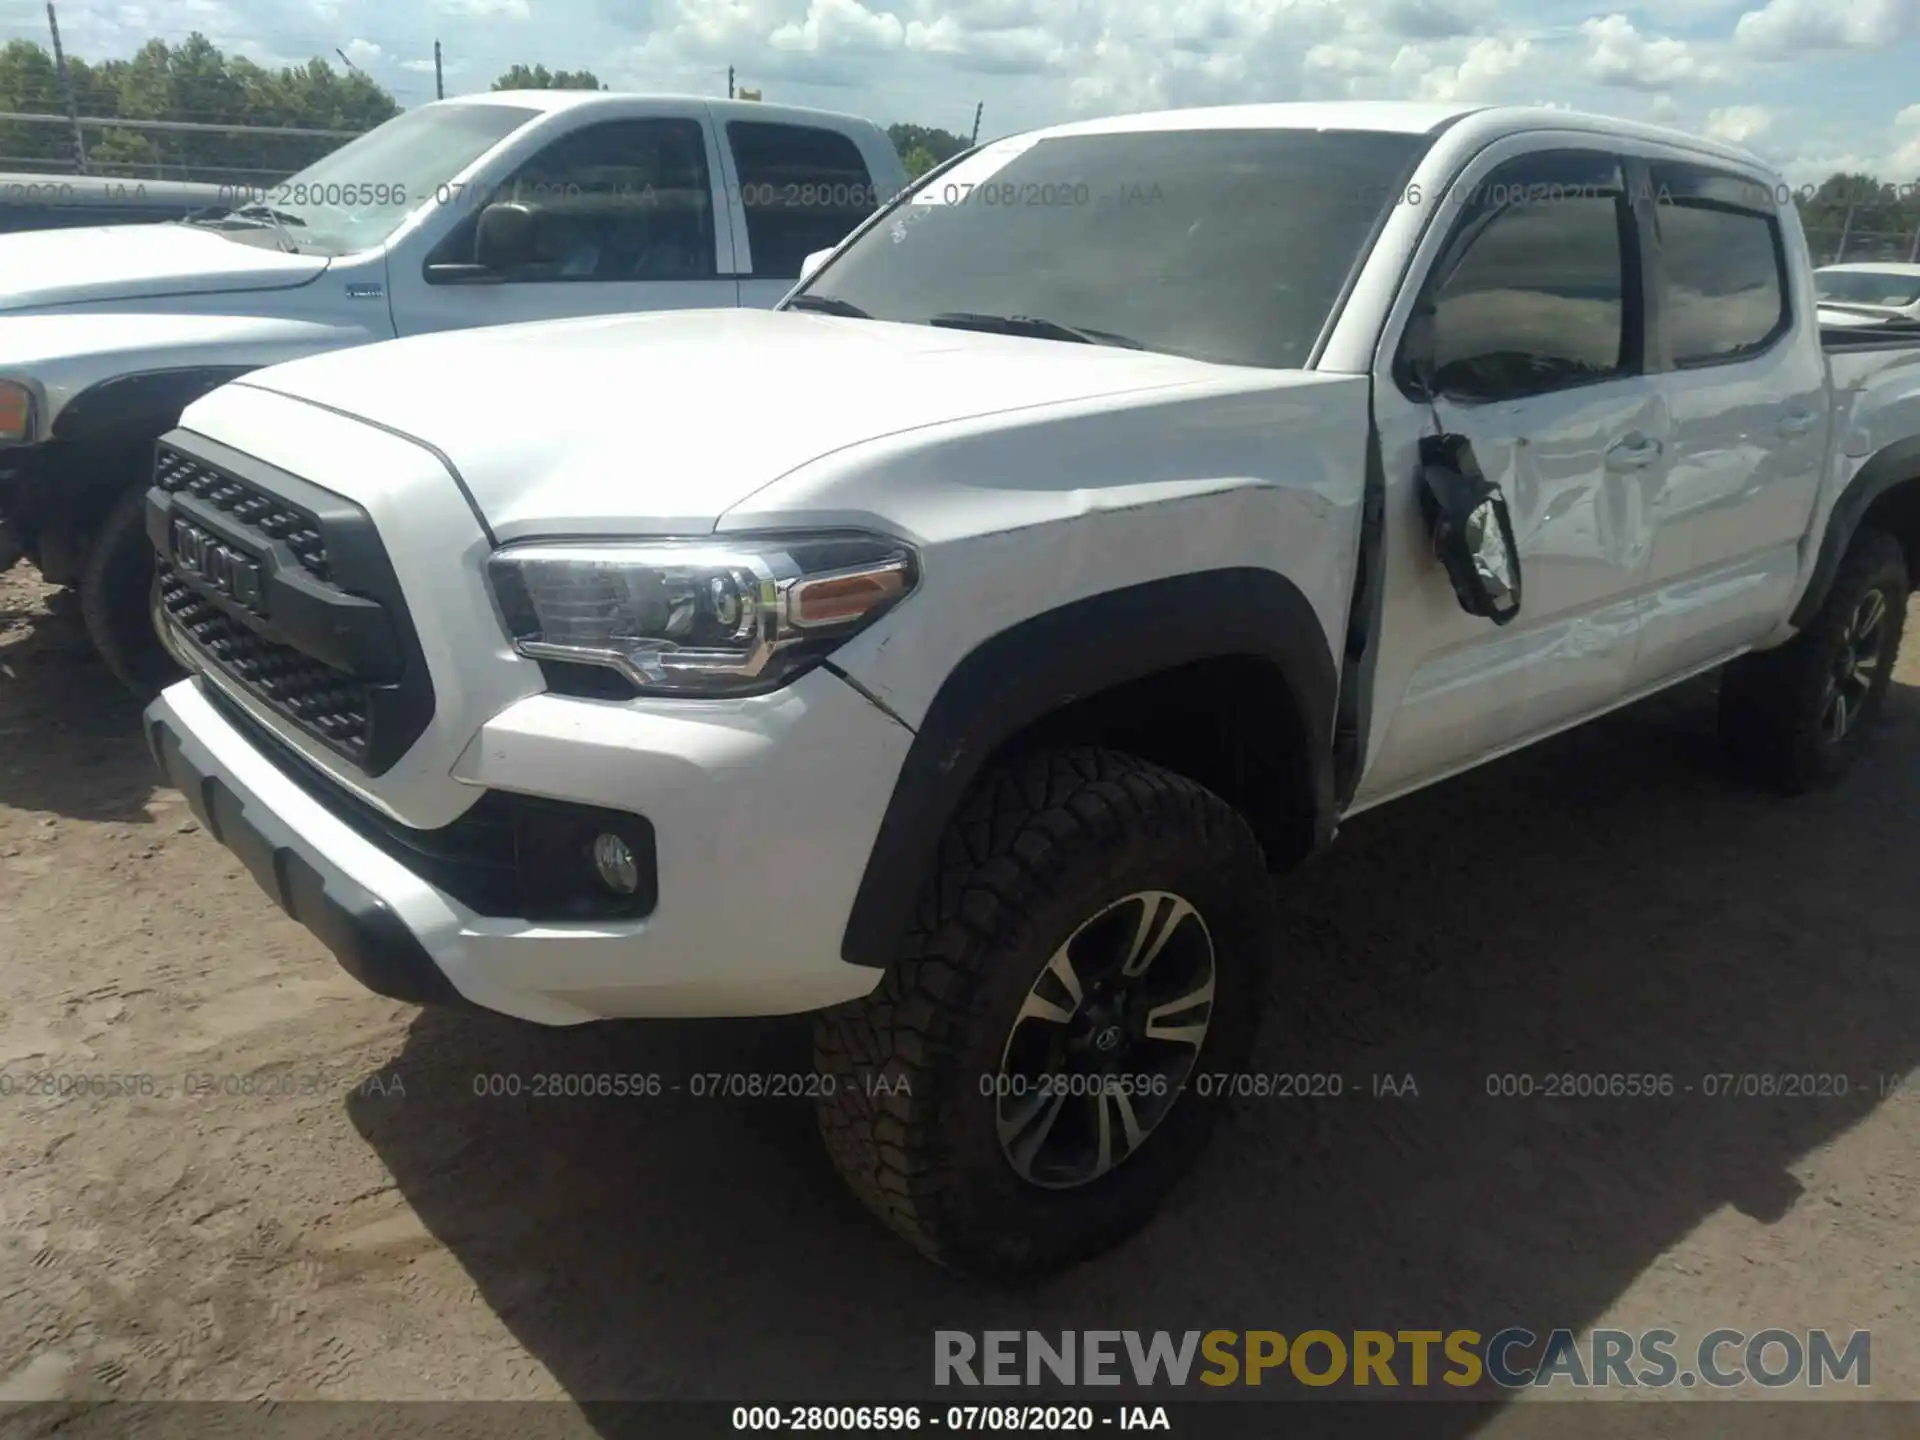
1867 287
1224 245
356 196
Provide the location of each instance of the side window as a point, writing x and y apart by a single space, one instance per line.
803 189
1723 268
1534 294
622 200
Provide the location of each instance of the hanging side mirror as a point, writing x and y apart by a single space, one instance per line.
1472 531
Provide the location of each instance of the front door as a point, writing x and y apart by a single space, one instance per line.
1537 352
629 222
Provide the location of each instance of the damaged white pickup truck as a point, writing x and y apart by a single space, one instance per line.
955 650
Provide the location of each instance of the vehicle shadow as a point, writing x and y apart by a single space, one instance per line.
70 740
1608 902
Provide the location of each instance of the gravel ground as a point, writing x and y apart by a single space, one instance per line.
364 1226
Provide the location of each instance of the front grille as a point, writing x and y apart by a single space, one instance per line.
325 701
283 591
176 472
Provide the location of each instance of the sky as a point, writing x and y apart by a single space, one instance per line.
1814 86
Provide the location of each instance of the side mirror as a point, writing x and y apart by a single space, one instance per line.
504 236
1471 528
813 262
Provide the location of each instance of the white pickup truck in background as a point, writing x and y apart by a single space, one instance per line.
1118 511
483 210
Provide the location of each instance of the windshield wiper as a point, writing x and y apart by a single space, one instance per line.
1033 327
827 305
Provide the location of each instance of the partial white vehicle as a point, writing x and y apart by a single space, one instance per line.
483 210
956 650
1869 293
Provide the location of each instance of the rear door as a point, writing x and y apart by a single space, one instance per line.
795 189
631 220
1746 383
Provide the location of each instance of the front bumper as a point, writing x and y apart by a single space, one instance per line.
765 812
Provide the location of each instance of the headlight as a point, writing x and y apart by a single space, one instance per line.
706 617
16 413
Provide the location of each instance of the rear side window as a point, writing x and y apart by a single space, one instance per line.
803 189
1723 292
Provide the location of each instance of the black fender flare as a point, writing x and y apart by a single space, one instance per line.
1893 465
146 403
1035 668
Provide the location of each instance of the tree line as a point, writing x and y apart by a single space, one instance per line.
195 81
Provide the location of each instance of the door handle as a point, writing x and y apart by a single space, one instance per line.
1636 452
1797 424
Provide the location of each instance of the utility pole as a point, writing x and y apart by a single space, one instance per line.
352 69
729 82
976 123
66 89
439 84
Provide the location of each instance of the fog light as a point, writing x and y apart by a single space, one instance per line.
614 864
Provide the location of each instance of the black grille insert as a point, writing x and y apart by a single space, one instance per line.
285 591
322 700
175 471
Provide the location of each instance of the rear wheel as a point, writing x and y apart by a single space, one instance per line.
116 600
1799 715
1027 1082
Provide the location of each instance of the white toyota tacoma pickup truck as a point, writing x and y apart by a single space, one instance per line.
956 650
483 210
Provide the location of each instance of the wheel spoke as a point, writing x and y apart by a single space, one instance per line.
1038 1007
1111 1104
1024 1134
1160 1018
1160 916
1867 618
1841 713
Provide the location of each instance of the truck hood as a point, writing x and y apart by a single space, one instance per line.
133 262
663 422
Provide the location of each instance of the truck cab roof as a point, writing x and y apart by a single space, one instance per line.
1486 123
551 101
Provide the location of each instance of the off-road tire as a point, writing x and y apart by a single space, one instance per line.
1772 703
1040 846
116 599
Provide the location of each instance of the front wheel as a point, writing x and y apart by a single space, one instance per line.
116 600
1023 1088
1799 715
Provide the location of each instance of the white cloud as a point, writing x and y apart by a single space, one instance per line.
843 25
485 9
1739 124
1478 75
1791 29
363 52
1622 56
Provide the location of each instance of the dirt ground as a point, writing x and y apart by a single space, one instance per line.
312 1201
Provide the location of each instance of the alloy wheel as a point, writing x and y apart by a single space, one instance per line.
1104 1043
1856 666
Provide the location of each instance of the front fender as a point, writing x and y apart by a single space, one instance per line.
65 357
1035 669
